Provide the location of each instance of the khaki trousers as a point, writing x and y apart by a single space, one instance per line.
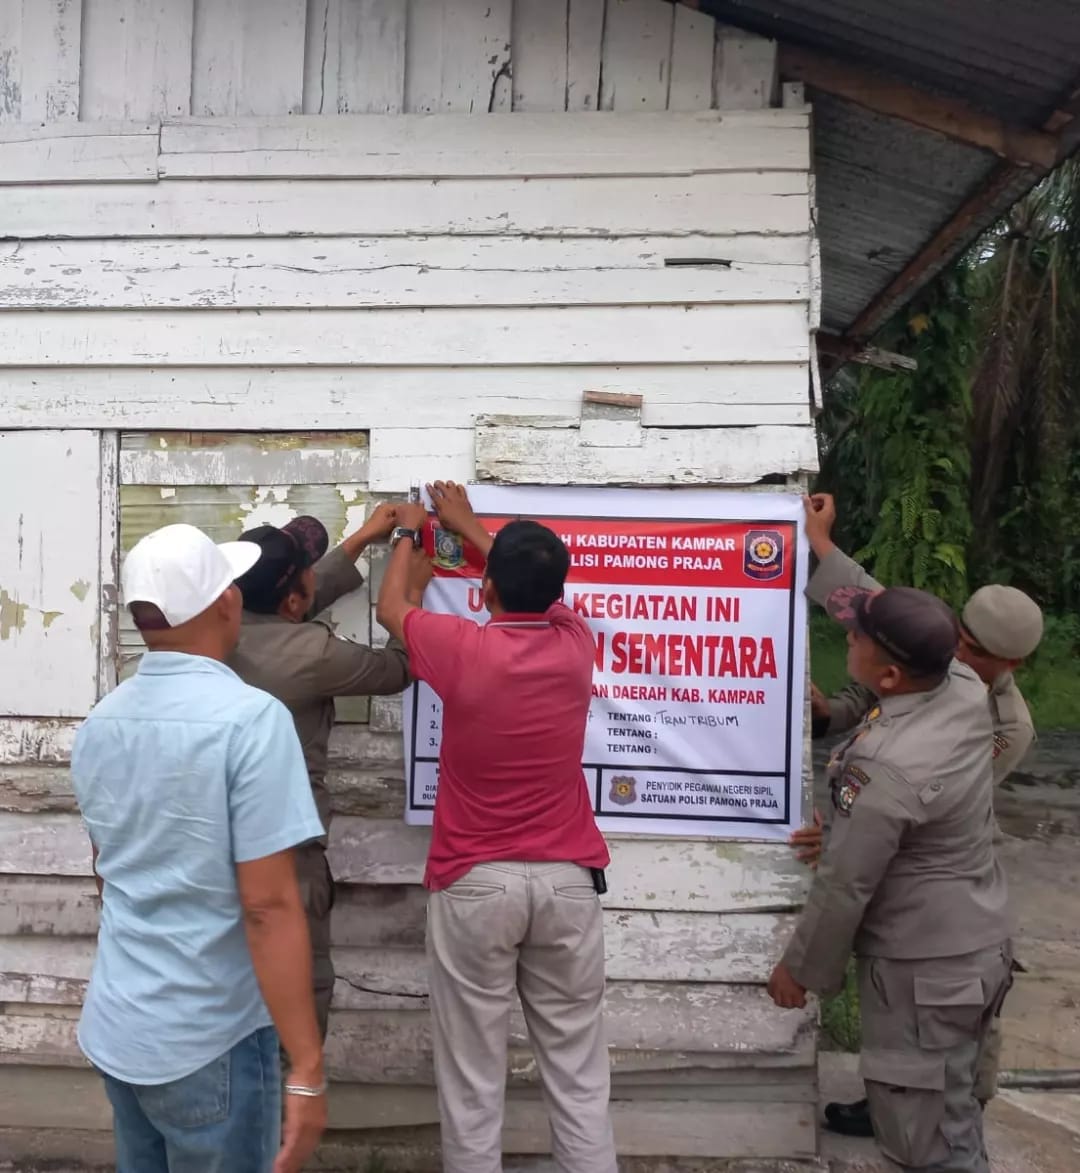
317 893
536 927
924 1026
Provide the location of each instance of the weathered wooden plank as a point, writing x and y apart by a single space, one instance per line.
101 153
355 57
745 74
476 57
387 272
769 332
322 56
254 464
693 41
401 457
369 847
53 971
365 917
636 67
423 56
248 57
108 562
371 53
136 59
650 1027
530 144
457 56
44 845
46 741
721 205
48 906
668 877
513 452
584 47
539 39
683 1129
71 1098
736 948
36 789
39 60
355 397
49 572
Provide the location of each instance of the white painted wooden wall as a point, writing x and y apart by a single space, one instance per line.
435 225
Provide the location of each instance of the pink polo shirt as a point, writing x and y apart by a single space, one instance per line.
516 694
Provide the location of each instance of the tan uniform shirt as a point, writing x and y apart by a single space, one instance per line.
306 666
909 870
1014 731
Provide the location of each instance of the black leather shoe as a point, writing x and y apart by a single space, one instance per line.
849 1119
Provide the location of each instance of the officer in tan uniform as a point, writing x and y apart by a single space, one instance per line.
999 628
286 652
909 880
1000 618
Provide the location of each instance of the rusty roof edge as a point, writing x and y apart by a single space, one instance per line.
1006 184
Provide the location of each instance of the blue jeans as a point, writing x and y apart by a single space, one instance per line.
224 1118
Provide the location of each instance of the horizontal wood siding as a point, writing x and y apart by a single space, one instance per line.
373 302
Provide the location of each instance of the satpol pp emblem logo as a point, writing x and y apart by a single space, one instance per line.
763 554
449 550
623 790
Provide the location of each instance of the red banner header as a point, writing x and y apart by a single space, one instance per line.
647 552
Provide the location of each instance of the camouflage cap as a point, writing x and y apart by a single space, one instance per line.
295 546
917 630
1004 621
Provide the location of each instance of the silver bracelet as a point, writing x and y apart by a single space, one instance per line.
299 1089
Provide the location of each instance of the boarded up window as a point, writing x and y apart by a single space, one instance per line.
228 482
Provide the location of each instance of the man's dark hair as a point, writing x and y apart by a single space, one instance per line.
528 565
148 617
265 598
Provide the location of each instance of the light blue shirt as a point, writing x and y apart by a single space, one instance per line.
181 773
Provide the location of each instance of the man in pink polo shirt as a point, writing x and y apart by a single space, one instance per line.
516 858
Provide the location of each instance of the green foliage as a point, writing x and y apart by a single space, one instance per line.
1025 283
1049 679
967 470
840 1017
896 450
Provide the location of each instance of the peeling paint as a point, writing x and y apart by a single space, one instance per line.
48 618
12 614
80 588
167 492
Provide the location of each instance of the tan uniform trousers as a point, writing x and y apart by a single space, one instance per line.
924 1025
317 892
536 927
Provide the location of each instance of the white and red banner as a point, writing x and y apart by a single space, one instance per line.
696 601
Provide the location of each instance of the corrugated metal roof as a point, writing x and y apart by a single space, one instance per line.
884 186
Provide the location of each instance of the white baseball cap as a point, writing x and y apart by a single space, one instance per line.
182 571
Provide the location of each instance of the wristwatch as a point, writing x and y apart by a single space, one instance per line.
402 531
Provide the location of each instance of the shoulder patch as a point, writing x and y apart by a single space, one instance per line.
1001 744
849 787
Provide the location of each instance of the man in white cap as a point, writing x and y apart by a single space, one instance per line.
193 789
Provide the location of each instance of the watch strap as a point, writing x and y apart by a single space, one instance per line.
400 531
